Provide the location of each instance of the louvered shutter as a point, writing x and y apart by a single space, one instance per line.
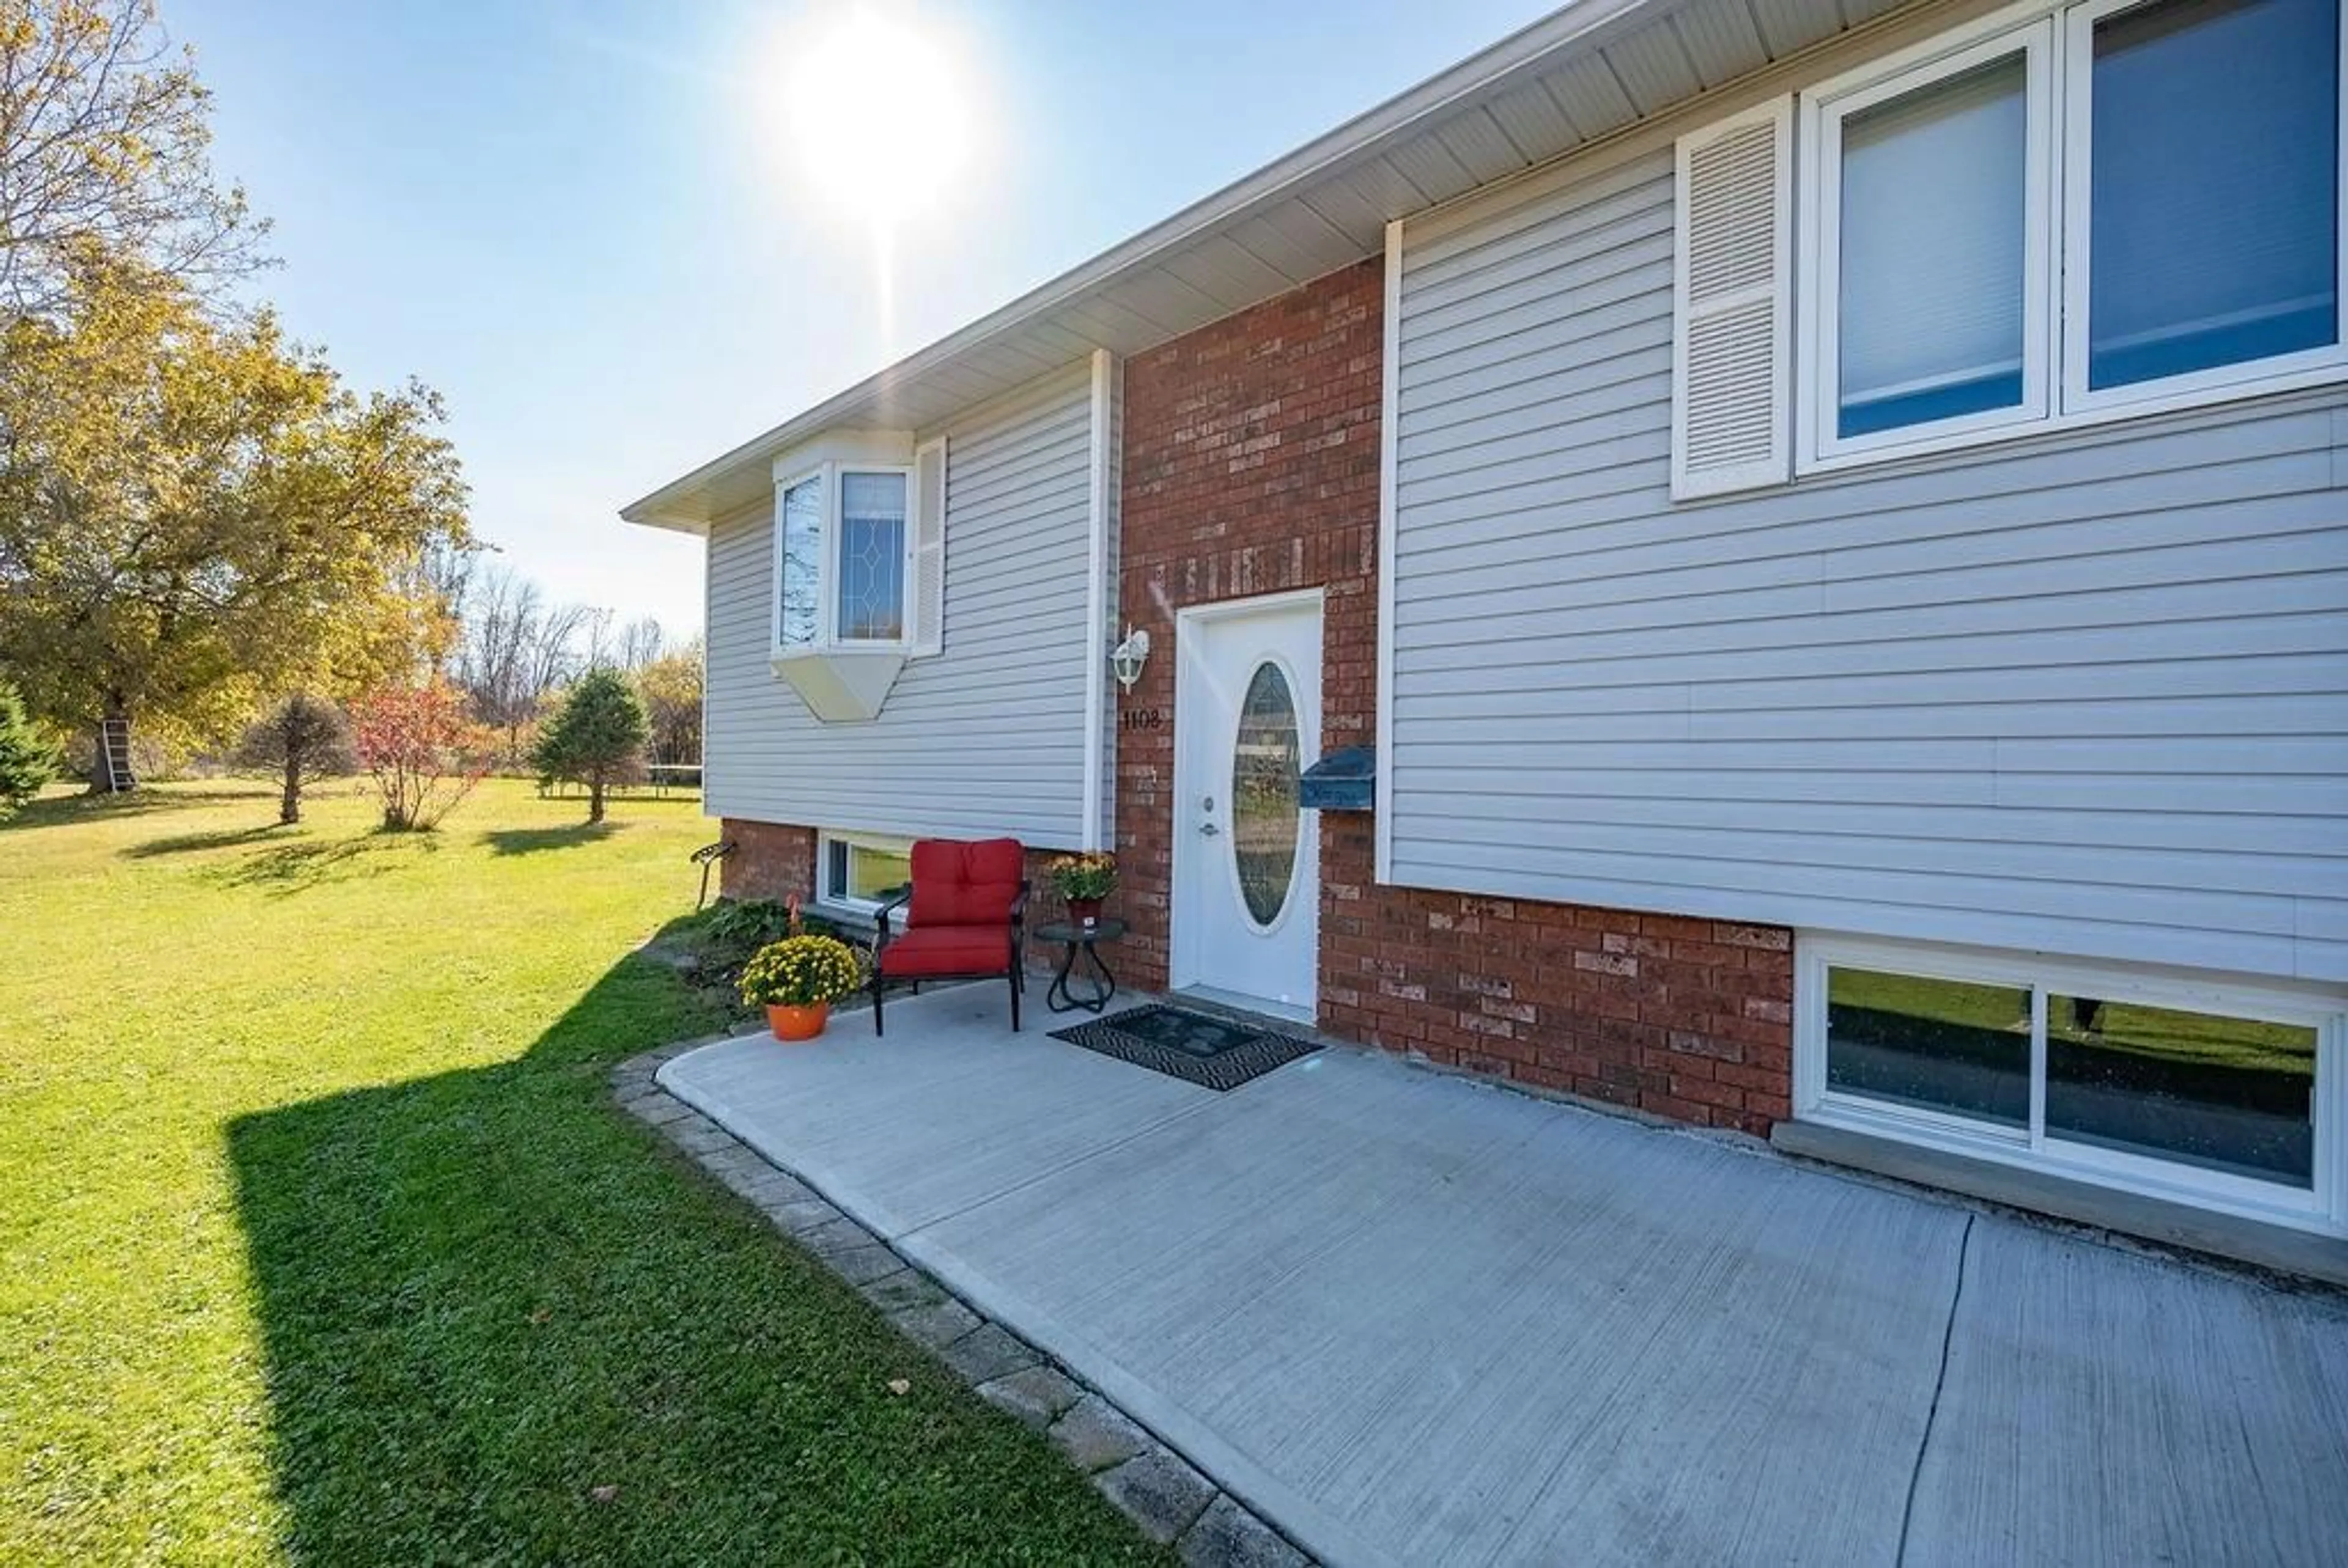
929 575
1732 346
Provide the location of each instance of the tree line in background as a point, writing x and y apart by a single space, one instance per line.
211 547
516 652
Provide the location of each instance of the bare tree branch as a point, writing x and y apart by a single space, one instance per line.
105 150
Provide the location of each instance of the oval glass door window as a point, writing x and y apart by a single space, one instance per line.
1265 767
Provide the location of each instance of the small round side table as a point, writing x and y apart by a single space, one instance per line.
1080 944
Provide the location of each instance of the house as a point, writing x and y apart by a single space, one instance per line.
1830 514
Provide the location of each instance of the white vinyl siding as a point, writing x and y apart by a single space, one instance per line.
987 738
2085 692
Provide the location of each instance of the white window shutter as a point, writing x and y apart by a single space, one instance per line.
1732 341
929 574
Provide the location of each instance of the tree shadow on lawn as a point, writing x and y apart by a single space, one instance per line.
488 1295
223 838
532 840
296 867
624 798
55 810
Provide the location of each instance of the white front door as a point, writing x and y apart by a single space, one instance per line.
1247 859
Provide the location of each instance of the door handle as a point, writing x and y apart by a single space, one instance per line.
1208 830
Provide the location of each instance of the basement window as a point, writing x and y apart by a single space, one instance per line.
861 871
2226 1094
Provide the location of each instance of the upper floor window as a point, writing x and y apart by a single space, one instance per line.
2061 215
842 558
1933 311
2207 155
871 557
798 563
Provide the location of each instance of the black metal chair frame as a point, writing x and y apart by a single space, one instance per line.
1018 954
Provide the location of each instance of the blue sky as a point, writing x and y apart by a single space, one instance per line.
582 222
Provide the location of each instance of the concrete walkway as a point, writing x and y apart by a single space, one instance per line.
1414 1319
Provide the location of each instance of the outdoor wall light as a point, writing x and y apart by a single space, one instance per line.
1128 656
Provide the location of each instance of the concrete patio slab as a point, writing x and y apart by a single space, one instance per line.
2106 1408
918 1125
1414 1319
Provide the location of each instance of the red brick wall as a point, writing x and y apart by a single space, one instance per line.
770 859
1251 466
1684 1018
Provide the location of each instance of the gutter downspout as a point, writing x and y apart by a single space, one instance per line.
1096 605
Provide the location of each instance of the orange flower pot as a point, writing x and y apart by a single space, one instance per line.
798 1023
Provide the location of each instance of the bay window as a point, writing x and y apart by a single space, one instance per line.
2059 215
844 549
872 557
798 564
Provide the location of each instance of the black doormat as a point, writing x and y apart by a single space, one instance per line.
1212 1052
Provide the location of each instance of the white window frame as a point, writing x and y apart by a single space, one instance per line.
2322 1206
830 898
828 638
1824 109
2306 368
903 640
819 474
2059 36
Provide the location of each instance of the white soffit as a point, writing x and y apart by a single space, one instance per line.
1575 76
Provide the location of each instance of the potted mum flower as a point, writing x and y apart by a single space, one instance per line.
1082 881
797 979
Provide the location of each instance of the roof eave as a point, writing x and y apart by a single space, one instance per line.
1528 48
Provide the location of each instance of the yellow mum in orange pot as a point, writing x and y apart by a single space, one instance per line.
796 980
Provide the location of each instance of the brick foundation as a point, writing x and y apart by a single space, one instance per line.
1687 1018
770 860
1251 466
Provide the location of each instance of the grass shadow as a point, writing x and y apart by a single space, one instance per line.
503 1322
626 799
60 808
532 840
225 838
297 868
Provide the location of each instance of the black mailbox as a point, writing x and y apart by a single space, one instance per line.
1344 780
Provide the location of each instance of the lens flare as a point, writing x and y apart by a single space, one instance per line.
876 112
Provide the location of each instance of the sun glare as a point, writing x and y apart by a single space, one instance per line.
877 113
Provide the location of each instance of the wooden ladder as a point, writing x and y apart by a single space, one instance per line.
114 756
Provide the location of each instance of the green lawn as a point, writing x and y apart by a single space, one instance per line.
321 1241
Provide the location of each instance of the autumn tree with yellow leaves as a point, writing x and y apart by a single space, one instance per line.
196 514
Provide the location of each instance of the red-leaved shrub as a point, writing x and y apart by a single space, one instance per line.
424 752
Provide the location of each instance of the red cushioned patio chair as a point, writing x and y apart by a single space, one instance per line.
964 917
